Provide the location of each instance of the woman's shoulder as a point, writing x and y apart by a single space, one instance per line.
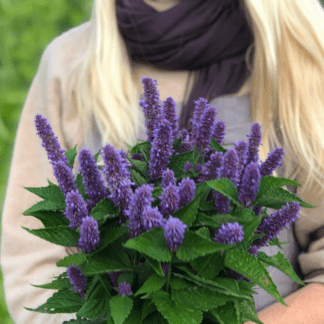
66 48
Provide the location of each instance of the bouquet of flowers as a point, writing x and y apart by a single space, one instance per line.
169 231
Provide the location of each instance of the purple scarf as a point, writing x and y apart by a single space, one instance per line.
211 36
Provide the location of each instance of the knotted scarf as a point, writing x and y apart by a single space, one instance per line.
211 36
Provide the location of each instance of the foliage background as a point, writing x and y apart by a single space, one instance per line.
29 25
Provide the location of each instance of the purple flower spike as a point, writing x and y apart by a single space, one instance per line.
219 132
170 113
222 203
272 162
138 156
168 178
187 167
76 209
64 177
206 128
49 141
170 200
141 199
230 233
254 143
199 168
186 144
242 153
151 105
200 105
89 234
161 150
165 268
230 166
117 175
94 185
124 289
273 224
254 250
250 184
211 170
174 230
77 279
114 277
151 217
187 189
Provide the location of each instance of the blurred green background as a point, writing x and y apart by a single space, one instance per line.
27 26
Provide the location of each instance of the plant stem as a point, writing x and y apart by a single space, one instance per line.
204 265
169 275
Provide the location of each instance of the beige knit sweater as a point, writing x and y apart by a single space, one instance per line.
26 259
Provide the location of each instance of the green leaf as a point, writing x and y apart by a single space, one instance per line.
208 266
155 318
137 177
98 288
225 187
51 218
142 167
268 183
60 235
45 205
177 143
127 276
178 283
280 262
156 266
248 311
278 197
226 314
174 313
194 246
204 232
104 209
148 308
202 190
95 308
135 316
76 259
153 283
250 267
51 192
120 307
217 147
215 221
84 321
63 301
144 146
199 298
275 241
145 149
81 187
157 192
187 214
71 154
151 243
110 235
58 283
177 163
96 156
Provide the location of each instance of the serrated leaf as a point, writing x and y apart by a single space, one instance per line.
225 187
217 147
204 232
214 220
278 197
76 259
250 267
145 149
280 262
60 235
95 308
126 277
174 313
226 314
51 192
208 266
275 241
120 307
151 243
153 283
187 214
104 208
110 235
135 316
177 143
202 190
98 288
157 192
45 205
96 264
155 318
51 218
71 154
96 156
63 301
207 205
178 283
194 246
156 266
248 311
146 146
148 308
177 163
58 283
199 298
142 167
137 177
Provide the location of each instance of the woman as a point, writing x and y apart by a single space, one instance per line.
255 60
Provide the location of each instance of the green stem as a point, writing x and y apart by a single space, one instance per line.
204 265
169 275
108 292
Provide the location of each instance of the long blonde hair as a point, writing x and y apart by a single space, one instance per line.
287 87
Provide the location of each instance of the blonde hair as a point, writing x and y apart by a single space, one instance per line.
287 87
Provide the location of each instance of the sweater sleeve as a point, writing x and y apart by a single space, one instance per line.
25 258
310 235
